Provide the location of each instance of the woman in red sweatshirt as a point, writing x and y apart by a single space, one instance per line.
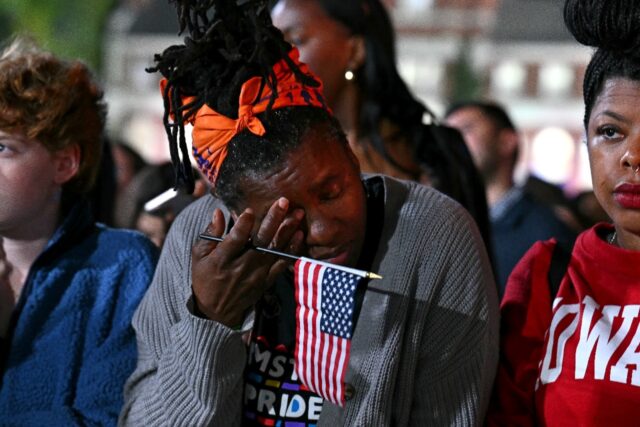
572 357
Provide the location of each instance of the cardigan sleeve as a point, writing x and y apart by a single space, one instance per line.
458 349
526 314
190 370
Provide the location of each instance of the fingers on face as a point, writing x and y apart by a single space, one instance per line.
236 240
287 230
271 222
296 243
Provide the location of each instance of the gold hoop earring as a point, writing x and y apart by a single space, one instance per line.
348 75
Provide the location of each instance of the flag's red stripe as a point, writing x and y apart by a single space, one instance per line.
342 369
311 289
301 269
316 301
316 285
322 364
318 362
325 364
332 366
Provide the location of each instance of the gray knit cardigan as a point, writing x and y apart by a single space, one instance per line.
424 351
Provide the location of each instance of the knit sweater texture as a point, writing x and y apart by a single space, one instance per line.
424 350
72 345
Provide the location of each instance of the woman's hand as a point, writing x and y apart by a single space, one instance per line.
227 278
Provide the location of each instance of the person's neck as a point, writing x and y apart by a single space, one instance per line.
626 239
22 245
346 108
497 187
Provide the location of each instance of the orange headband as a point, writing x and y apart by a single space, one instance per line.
213 131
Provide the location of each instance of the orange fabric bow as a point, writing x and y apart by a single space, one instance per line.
213 131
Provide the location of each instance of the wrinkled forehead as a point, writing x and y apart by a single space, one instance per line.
322 161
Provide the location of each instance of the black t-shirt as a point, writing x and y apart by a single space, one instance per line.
273 394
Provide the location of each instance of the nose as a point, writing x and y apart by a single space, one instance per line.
631 157
320 229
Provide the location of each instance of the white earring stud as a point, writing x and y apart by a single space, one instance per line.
348 75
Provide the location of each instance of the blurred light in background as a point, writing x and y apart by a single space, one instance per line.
552 155
556 80
144 131
508 78
582 178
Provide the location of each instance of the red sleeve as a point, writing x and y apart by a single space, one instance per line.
525 316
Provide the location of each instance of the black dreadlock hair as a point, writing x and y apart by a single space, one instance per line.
613 27
228 42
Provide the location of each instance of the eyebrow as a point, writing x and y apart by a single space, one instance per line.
615 116
326 180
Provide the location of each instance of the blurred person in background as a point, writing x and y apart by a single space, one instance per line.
102 196
588 207
155 183
350 46
68 286
517 219
569 349
127 164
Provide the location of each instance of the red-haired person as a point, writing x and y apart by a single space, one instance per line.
68 286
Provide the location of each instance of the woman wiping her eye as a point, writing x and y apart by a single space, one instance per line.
217 329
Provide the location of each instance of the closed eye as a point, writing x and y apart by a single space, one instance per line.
331 193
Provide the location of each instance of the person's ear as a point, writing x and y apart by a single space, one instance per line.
352 156
358 53
67 163
508 142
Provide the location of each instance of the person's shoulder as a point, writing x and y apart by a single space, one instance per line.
532 267
191 221
129 239
529 204
417 202
124 244
425 214
199 212
109 256
543 216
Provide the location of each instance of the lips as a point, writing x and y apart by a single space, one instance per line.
627 195
339 256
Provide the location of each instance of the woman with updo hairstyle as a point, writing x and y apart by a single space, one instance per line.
217 329
350 45
571 320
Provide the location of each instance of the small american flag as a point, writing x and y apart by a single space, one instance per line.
325 299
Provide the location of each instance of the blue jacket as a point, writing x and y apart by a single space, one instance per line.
72 346
525 222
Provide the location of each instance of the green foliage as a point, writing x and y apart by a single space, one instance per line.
69 28
464 83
